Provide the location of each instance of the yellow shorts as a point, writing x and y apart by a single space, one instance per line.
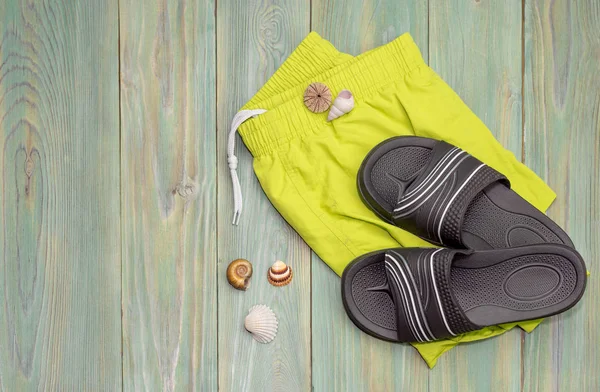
308 166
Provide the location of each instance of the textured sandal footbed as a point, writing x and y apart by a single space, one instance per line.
497 217
492 287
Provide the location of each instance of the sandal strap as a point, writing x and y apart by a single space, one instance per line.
419 281
433 203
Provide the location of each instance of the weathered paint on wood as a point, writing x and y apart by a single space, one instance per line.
562 142
253 39
60 319
77 244
168 172
356 26
344 358
475 46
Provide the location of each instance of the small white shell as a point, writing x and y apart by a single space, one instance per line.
262 323
342 104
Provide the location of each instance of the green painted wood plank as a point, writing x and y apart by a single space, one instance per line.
356 26
253 39
60 326
344 358
476 47
168 195
562 133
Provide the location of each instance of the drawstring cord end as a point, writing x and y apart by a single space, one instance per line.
237 189
236 217
232 160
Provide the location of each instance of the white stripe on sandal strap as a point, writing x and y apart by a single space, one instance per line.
413 308
439 231
413 304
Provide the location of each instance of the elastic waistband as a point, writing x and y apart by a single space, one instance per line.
317 60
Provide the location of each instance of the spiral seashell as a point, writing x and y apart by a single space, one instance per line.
262 323
342 104
317 97
280 274
238 274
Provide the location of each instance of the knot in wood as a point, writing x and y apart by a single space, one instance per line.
29 167
187 189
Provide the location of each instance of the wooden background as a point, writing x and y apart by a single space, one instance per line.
116 201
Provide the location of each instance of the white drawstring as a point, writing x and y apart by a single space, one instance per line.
232 160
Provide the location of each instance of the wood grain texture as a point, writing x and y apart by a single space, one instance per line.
562 133
60 326
356 26
475 46
115 235
168 195
253 39
344 358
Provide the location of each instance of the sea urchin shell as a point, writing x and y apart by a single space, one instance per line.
238 274
317 97
262 323
280 274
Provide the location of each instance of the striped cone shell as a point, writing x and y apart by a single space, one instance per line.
280 274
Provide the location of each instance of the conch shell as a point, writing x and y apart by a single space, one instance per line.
342 104
317 97
280 274
262 323
238 274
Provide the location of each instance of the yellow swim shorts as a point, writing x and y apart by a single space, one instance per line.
307 166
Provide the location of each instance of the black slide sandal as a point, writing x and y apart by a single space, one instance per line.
447 197
419 295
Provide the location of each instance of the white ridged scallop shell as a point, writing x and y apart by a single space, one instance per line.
262 323
342 104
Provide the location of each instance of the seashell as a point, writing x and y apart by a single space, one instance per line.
317 97
342 104
238 274
262 323
280 274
